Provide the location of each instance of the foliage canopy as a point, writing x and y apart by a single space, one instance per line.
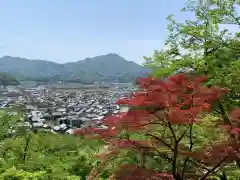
168 116
6 79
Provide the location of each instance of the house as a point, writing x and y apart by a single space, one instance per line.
56 115
75 121
62 120
37 125
61 110
31 108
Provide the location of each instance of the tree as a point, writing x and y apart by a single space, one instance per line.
6 79
165 115
200 45
42 155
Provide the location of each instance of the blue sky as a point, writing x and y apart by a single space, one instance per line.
71 30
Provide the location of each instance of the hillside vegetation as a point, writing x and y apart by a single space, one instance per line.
6 79
110 67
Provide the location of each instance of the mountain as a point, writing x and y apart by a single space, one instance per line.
109 67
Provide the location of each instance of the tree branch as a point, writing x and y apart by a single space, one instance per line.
237 21
224 114
213 169
172 131
174 163
160 154
198 164
26 147
175 151
184 133
190 148
162 141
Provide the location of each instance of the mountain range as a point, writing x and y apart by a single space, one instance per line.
109 67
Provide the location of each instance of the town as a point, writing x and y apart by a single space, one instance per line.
48 109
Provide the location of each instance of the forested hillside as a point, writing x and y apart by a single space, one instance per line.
109 67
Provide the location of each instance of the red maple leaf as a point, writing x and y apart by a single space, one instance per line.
176 101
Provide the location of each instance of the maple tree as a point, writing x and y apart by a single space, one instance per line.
165 113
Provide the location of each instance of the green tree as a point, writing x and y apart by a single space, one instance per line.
201 45
6 79
42 155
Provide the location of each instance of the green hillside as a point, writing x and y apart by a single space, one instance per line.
108 67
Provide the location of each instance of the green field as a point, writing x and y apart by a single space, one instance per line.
2 112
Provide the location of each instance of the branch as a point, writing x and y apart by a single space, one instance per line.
223 176
164 156
176 176
174 163
164 132
216 110
237 21
151 123
184 133
162 141
172 131
190 148
224 114
213 169
26 147
193 36
160 154
198 164
190 143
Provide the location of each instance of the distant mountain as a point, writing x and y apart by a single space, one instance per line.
109 67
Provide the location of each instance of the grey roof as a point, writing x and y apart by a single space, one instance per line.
36 118
56 113
61 109
84 119
30 107
92 115
38 124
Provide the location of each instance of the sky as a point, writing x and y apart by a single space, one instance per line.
71 30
